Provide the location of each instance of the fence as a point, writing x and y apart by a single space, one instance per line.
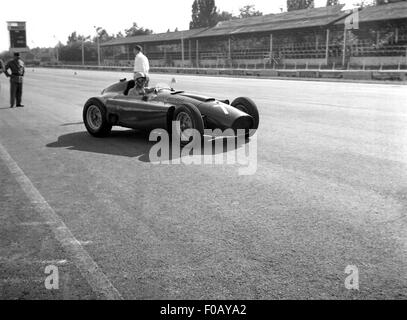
302 55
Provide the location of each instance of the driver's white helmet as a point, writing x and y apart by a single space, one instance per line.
140 79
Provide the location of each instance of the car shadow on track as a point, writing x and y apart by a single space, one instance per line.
132 144
71 124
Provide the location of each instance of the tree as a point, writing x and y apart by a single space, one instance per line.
381 2
135 30
195 16
102 35
6 55
72 38
365 3
204 14
330 3
249 11
299 4
371 3
224 16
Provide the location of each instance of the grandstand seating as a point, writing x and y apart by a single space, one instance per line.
296 38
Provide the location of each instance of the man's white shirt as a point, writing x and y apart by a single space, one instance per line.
141 64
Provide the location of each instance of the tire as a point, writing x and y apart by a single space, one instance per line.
248 106
190 118
95 119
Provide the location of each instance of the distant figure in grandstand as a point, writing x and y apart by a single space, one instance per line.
141 64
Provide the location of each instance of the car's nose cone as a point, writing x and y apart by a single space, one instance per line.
243 122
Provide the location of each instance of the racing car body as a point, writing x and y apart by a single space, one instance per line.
121 105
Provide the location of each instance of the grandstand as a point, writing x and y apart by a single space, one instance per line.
329 37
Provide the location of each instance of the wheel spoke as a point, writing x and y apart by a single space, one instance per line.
185 124
94 117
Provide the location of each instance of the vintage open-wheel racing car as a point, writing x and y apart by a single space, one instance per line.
120 105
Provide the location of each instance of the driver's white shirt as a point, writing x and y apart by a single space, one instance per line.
141 64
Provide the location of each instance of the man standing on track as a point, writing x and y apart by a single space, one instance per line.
16 79
141 64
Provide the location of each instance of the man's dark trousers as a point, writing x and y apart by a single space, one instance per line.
16 91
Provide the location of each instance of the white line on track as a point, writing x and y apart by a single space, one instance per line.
87 266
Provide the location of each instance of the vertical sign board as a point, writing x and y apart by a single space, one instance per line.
18 36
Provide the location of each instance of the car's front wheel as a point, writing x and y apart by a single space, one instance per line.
189 124
249 107
95 119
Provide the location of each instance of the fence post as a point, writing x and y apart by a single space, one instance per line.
396 35
327 47
230 51
271 46
190 52
83 53
182 49
197 53
345 34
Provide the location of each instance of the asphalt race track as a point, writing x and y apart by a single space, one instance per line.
330 191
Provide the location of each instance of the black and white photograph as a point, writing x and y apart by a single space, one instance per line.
204 154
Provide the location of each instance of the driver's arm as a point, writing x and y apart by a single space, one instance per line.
149 90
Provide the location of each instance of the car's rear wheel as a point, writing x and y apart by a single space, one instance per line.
189 117
95 119
248 106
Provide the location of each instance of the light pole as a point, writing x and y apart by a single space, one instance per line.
83 49
57 49
182 49
83 52
98 43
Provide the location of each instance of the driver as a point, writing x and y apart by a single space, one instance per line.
140 88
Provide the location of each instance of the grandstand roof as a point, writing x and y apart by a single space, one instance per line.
308 18
390 11
318 17
159 37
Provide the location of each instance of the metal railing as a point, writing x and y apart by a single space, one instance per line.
284 56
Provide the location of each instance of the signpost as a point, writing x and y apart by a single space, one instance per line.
18 36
